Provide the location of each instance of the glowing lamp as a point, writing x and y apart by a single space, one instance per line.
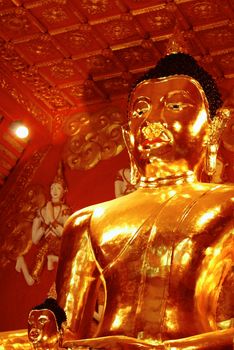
20 130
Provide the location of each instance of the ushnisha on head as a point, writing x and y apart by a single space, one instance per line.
44 324
170 120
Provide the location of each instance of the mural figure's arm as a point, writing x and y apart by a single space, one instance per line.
38 229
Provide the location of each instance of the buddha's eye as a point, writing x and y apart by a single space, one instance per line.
138 113
43 319
177 106
141 106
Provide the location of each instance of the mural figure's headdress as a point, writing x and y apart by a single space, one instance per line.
59 177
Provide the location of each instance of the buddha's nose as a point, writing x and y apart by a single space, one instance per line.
157 115
34 333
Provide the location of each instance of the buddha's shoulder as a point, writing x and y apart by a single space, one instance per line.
214 192
85 214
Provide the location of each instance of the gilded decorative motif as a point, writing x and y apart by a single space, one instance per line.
117 30
42 90
42 47
31 77
227 60
93 137
31 107
63 70
99 63
160 20
117 84
220 37
85 91
54 15
53 98
10 57
205 9
94 7
79 39
16 21
14 196
136 56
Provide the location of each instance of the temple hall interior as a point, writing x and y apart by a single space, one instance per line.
66 70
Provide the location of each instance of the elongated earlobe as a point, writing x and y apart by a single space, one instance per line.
217 126
135 176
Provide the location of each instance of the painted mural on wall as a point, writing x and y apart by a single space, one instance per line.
38 222
123 183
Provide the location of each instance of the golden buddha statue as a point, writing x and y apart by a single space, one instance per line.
163 253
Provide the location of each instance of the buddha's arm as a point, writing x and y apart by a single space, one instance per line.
77 276
213 292
213 340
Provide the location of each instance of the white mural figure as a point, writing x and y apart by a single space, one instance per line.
46 231
48 225
123 183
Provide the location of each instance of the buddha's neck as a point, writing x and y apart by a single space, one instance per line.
163 173
154 182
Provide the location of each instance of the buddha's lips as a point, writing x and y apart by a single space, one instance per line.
157 139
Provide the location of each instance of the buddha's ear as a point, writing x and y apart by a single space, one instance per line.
135 175
216 129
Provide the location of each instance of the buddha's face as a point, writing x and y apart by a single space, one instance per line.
56 191
43 329
168 122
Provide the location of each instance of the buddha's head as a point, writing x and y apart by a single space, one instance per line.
44 324
170 110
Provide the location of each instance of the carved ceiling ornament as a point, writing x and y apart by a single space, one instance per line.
53 98
93 137
118 83
99 63
160 20
29 105
15 21
119 29
84 91
10 57
40 46
205 9
54 14
63 70
220 37
227 60
81 37
94 7
23 180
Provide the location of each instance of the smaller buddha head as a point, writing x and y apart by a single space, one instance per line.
44 325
